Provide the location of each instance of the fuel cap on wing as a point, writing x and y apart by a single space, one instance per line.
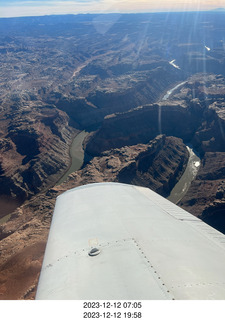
94 252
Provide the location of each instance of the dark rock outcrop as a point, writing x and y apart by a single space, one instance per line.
145 123
24 236
117 95
206 196
210 136
62 74
34 149
159 167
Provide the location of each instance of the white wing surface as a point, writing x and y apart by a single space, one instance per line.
145 248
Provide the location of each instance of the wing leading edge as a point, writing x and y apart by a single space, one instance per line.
145 248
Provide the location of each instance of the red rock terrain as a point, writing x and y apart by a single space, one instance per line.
206 196
23 241
34 148
24 236
60 75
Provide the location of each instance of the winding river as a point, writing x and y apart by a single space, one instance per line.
77 158
8 204
182 186
169 92
179 190
193 165
76 154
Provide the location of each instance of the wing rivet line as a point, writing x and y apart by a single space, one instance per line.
156 276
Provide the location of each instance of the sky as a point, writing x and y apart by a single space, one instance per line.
17 8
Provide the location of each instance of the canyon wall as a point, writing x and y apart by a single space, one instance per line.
144 123
34 149
157 164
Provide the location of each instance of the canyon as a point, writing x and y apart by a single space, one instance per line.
107 75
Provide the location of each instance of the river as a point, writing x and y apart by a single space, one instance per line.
179 190
182 186
7 205
76 154
193 165
169 92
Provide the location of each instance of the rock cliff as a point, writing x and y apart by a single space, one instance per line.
59 75
206 195
24 236
34 148
144 123
116 94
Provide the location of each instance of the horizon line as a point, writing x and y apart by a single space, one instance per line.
217 10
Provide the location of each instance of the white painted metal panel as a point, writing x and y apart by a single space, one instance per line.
150 248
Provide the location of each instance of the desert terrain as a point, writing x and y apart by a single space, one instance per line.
106 75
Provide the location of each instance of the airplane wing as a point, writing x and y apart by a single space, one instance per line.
111 241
